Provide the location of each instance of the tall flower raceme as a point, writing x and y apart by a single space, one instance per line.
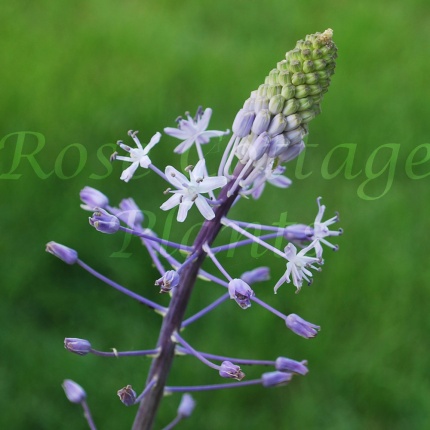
267 133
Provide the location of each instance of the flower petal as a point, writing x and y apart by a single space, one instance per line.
176 178
128 173
171 202
184 146
212 183
176 132
154 140
204 207
184 207
203 123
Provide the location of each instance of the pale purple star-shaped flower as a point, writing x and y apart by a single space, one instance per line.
298 266
193 130
138 156
189 191
321 230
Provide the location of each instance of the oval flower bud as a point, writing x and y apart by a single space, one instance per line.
74 392
68 255
92 199
241 292
77 346
127 395
104 222
243 122
230 370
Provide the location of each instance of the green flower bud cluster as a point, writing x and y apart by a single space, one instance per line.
288 100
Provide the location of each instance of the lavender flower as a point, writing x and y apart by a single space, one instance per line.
298 266
273 379
189 192
194 130
287 365
138 156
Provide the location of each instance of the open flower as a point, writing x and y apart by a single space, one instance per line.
189 192
321 230
138 156
298 266
193 130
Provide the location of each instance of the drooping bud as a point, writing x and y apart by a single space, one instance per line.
92 199
273 379
257 275
241 292
186 406
230 370
74 392
127 395
68 255
284 364
77 346
168 281
301 327
104 222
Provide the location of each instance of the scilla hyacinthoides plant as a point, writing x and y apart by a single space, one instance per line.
267 133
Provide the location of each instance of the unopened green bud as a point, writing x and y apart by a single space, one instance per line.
283 65
273 77
306 54
262 90
302 91
311 78
294 55
305 103
288 91
298 78
307 115
295 66
284 78
291 106
314 90
320 64
308 66
276 104
273 90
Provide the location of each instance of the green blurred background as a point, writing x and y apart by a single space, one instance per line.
80 74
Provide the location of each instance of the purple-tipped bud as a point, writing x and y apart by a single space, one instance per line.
273 379
76 345
74 392
301 327
127 395
287 365
186 406
104 222
241 292
278 145
130 213
257 275
243 122
230 370
298 232
92 199
168 281
261 122
68 255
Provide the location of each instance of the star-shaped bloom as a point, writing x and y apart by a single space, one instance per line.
189 191
321 230
298 266
138 156
193 130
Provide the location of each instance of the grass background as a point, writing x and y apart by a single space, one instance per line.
79 74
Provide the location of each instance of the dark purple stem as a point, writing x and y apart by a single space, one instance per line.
172 321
